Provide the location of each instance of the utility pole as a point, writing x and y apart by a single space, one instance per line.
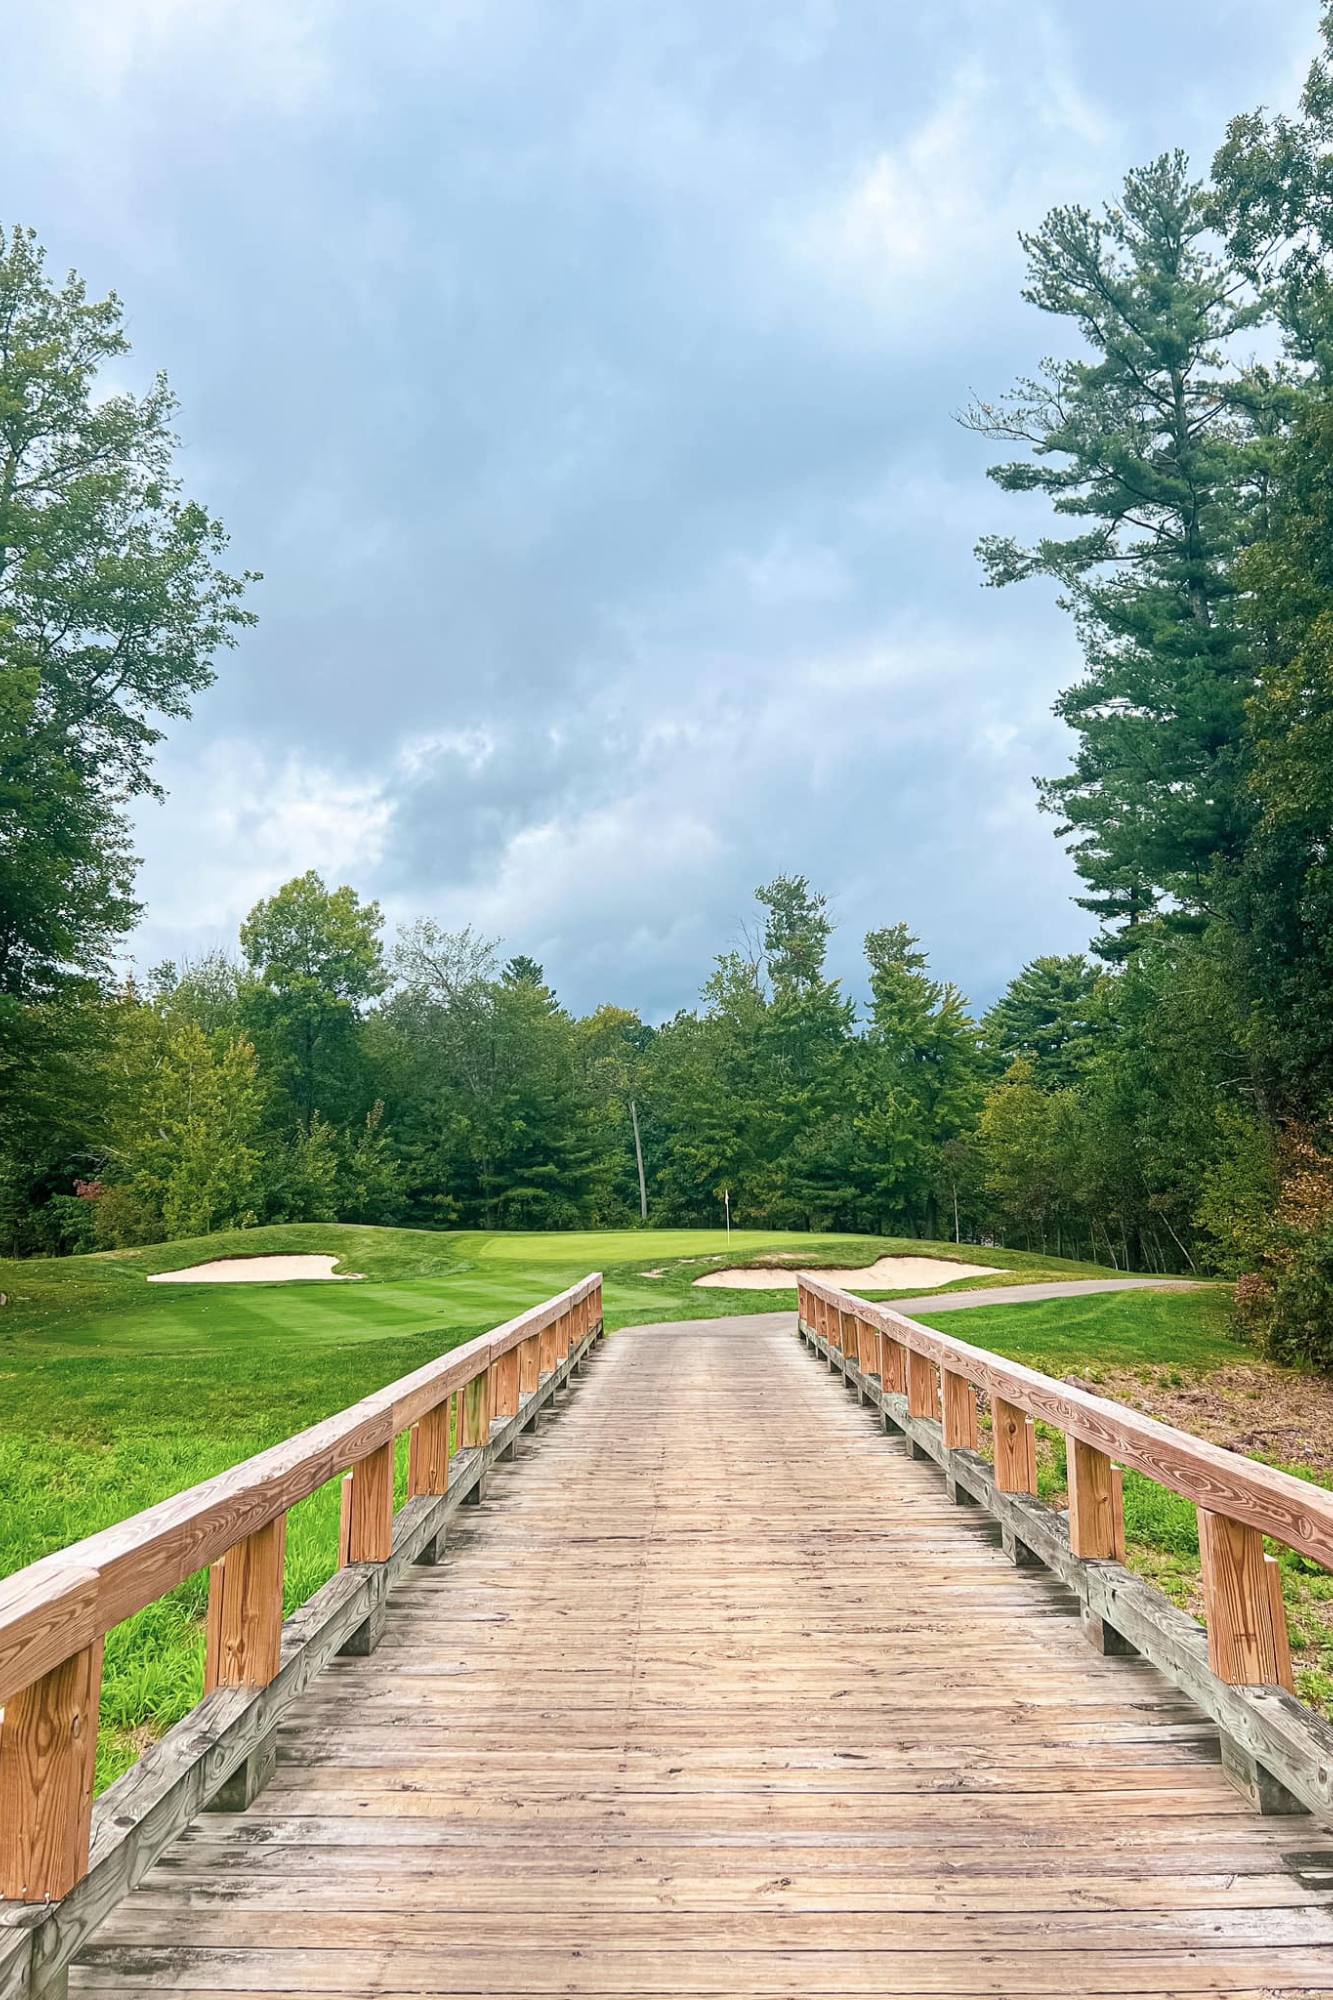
638 1155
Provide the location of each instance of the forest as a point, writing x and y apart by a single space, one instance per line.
1164 1102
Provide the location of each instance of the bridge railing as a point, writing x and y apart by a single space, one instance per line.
926 1384
460 1411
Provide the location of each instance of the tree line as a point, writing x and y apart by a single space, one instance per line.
318 1073
1166 1102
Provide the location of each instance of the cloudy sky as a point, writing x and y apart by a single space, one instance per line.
582 379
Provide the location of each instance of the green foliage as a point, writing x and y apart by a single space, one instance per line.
1045 1017
315 958
113 603
1155 444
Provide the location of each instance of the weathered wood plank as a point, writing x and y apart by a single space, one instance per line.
145 1811
243 1640
718 1695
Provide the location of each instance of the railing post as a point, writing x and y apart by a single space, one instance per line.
506 1384
366 1532
960 1411
428 1453
1015 1469
243 1640
895 1366
48 1756
367 1518
243 1644
477 1411
923 1394
1015 1447
529 1365
850 1339
1242 1593
1096 1516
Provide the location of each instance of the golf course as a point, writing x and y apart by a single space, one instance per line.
119 1392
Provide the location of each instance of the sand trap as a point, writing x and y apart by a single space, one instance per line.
253 1271
886 1274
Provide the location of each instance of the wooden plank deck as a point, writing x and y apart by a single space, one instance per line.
717 1695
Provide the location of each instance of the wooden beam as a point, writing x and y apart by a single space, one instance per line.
1247 1622
960 1411
895 1366
529 1365
243 1637
504 1374
428 1467
923 1389
48 1755
1015 1447
367 1525
476 1412
1096 1521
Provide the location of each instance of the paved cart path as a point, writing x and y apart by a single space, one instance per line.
717 1694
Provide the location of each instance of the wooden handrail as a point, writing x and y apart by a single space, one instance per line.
55 1613
1277 1751
1292 1511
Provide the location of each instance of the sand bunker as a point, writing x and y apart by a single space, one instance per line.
886 1274
253 1271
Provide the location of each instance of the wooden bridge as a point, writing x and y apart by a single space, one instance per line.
729 1682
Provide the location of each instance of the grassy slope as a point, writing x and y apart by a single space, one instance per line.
114 1393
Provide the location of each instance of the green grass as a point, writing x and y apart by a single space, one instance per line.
1109 1330
115 1393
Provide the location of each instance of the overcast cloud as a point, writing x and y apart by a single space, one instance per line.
582 378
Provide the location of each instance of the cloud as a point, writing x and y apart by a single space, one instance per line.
581 380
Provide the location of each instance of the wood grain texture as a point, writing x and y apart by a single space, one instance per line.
428 1461
368 1504
718 1695
1015 1447
923 1387
1247 1621
1096 1512
476 1410
48 1750
960 1411
1291 1510
243 1636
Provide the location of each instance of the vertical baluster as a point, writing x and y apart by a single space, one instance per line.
367 1510
1015 1447
1247 1621
428 1466
476 1411
923 1395
895 1365
243 1639
960 1411
1096 1517
48 1753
